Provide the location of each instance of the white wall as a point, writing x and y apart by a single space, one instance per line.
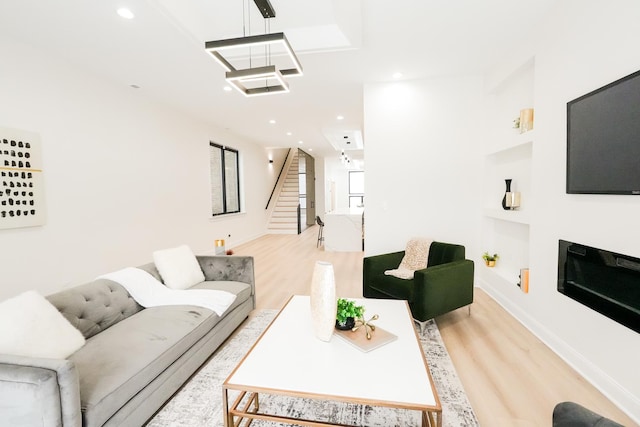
582 46
422 170
336 172
424 164
123 176
321 202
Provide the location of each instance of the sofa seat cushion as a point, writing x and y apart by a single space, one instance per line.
117 363
241 290
394 287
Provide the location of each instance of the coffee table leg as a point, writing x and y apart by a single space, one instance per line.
431 419
228 422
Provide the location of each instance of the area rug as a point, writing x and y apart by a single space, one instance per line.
199 402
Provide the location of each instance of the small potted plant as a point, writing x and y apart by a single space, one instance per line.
516 123
347 314
489 260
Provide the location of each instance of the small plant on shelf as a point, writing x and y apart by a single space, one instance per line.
347 309
490 260
516 123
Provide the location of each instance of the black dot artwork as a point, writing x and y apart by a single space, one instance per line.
16 158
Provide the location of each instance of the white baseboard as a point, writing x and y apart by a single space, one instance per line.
212 251
619 395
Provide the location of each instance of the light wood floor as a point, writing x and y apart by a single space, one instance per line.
511 378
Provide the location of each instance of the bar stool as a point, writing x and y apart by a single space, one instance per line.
320 237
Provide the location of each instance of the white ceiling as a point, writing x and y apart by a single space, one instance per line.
341 44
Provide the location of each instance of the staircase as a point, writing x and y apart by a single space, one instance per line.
284 217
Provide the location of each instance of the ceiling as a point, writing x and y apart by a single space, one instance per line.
342 44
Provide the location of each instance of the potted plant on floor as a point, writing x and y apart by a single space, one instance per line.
490 260
347 314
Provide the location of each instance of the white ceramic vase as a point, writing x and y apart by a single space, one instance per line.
323 300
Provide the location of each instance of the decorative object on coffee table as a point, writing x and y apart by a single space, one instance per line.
369 340
368 326
323 300
347 313
490 260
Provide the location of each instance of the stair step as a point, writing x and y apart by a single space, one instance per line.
284 220
282 231
289 199
282 226
292 213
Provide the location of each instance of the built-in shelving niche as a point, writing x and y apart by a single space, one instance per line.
509 155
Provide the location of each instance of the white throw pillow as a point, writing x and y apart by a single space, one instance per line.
416 254
178 267
31 326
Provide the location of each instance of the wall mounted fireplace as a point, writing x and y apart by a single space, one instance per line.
604 281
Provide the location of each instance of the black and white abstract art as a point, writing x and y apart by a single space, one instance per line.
21 181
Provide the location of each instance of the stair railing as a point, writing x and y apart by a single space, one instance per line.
275 185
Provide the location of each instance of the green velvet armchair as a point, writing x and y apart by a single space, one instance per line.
445 285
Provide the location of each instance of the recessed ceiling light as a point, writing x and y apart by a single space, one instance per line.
227 89
273 122
125 13
300 142
310 149
289 134
397 75
340 117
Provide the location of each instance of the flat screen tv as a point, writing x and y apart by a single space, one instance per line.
603 139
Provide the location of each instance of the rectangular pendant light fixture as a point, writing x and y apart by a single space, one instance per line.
238 78
273 39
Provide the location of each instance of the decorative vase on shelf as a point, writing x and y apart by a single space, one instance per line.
507 183
323 300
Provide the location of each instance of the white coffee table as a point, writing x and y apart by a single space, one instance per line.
288 360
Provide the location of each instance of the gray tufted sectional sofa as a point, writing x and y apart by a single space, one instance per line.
134 358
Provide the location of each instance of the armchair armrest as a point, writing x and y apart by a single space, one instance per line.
373 269
442 288
39 392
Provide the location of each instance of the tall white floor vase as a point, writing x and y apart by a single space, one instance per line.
323 300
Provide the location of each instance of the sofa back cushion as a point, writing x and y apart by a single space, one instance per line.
152 270
95 306
442 253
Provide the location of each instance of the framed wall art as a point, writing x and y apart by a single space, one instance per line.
21 180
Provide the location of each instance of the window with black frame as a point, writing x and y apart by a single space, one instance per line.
356 189
225 179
